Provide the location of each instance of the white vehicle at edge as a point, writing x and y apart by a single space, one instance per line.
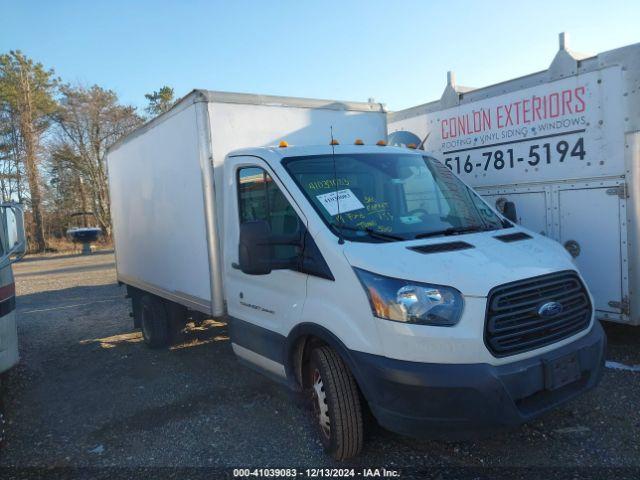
13 246
351 272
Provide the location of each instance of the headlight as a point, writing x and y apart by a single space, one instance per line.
411 302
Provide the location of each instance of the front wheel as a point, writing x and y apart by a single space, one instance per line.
336 404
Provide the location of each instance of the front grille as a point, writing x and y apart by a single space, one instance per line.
513 324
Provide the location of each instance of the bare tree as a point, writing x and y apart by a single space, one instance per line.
62 192
89 120
11 157
26 93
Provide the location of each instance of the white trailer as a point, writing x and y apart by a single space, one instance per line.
335 266
563 145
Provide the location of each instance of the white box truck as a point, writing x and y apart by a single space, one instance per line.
364 275
562 146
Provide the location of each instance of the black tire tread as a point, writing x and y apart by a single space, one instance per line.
347 429
159 324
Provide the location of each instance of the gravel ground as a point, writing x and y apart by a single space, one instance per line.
88 393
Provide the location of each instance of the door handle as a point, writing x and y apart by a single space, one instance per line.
235 266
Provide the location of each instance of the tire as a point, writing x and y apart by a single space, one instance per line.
336 404
154 321
178 316
2 430
135 310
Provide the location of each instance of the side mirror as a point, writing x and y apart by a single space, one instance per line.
255 250
509 211
15 240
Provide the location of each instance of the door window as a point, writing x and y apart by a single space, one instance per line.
259 198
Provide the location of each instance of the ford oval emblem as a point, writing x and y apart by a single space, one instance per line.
550 309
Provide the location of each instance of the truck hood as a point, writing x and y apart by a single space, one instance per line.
473 271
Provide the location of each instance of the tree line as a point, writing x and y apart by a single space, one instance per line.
53 140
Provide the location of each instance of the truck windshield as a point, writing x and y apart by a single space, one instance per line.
389 197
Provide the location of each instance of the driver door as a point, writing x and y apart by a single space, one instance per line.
263 307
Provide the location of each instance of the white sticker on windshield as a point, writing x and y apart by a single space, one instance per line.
342 200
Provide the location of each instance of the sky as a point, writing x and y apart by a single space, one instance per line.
397 52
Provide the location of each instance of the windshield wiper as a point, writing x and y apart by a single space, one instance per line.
372 233
453 231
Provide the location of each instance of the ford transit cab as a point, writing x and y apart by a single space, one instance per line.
411 292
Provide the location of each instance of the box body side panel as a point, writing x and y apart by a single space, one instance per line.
158 211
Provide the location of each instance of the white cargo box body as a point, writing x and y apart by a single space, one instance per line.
562 144
164 180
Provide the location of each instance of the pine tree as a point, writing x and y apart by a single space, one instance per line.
160 101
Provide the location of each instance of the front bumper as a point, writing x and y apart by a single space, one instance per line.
453 400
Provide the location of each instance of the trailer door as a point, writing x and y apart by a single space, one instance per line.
590 227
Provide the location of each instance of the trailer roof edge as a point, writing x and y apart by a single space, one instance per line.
584 64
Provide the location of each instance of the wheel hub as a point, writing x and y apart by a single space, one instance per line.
320 404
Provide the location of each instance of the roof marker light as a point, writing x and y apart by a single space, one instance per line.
283 144
381 143
334 142
412 146
358 142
